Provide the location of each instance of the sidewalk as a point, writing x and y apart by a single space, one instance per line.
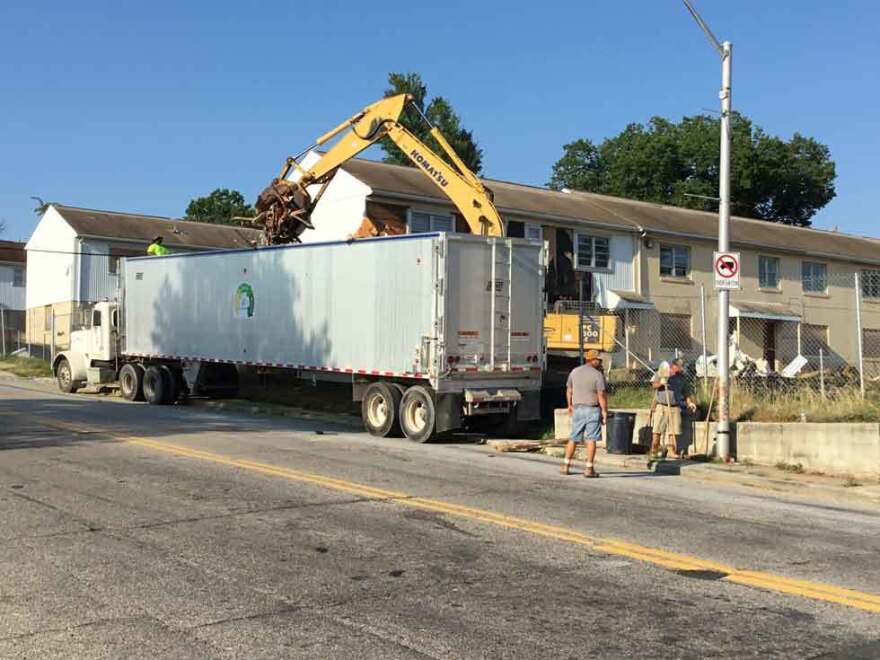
751 477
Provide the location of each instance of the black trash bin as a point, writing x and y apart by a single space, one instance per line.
619 433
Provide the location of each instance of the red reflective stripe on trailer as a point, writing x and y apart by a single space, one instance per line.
362 371
349 371
390 373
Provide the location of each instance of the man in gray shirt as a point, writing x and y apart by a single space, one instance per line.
588 409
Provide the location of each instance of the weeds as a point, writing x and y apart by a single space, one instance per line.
851 482
28 367
795 468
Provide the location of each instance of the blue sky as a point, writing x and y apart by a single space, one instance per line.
141 106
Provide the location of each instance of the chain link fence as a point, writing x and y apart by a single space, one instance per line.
823 341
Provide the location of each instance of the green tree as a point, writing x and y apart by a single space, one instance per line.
222 207
440 113
774 179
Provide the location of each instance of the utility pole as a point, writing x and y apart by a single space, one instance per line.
722 437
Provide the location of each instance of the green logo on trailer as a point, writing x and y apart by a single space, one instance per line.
244 301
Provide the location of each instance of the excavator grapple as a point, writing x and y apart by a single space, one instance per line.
283 212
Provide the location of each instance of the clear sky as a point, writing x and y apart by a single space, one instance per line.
140 106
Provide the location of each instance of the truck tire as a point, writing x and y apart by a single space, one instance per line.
155 386
418 415
64 376
131 382
379 410
172 384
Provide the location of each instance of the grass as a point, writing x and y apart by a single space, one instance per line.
851 482
28 367
765 404
841 405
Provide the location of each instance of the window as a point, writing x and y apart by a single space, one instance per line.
18 277
96 319
871 343
47 318
870 283
675 332
419 222
113 264
533 232
592 251
675 260
814 337
814 277
768 272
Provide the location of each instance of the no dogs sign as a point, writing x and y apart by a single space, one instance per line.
726 270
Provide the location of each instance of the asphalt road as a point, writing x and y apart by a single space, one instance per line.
134 531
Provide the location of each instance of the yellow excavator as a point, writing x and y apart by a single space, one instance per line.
285 207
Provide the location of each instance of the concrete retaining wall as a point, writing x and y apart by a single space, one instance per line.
831 448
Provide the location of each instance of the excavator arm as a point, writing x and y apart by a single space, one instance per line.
284 208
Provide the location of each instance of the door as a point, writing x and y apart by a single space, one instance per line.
97 332
770 343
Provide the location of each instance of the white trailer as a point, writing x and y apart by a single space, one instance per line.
430 329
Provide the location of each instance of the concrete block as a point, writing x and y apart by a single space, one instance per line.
844 448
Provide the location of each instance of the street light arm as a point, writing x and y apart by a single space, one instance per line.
705 28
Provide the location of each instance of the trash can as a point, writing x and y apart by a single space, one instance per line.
619 432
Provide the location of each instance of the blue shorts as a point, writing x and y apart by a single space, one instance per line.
586 424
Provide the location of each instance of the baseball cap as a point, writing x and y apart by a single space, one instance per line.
592 354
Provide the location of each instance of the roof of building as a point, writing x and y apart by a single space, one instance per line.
576 207
144 228
12 251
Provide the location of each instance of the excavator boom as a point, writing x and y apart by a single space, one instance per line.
284 208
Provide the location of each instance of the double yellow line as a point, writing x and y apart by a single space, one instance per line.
663 558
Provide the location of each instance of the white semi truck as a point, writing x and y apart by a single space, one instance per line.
430 329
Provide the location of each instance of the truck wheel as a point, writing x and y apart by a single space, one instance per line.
131 382
172 384
418 415
155 386
64 376
379 410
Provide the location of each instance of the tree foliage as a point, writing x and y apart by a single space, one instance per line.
785 181
221 207
440 113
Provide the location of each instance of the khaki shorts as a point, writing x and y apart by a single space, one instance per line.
667 420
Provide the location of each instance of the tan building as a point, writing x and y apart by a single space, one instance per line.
652 263
73 261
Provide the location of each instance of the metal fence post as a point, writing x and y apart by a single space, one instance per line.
626 336
822 371
860 334
3 327
703 340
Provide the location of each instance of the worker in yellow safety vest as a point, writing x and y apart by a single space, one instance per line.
156 249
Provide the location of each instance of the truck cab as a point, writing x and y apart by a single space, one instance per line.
91 359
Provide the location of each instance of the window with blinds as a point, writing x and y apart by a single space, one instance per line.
420 223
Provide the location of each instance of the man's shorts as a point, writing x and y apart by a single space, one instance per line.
586 424
667 420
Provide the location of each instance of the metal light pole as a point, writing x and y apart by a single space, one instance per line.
722 437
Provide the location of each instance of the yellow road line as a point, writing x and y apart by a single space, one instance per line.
663 558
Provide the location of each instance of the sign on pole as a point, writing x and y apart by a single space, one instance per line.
726 270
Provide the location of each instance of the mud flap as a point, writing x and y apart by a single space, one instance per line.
448 407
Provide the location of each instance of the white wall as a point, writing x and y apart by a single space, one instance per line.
11 297
50 261
341 209
96 282
622 275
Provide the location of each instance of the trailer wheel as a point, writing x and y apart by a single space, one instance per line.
379 410
418 414
131 382
155 386
64 376
172 384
